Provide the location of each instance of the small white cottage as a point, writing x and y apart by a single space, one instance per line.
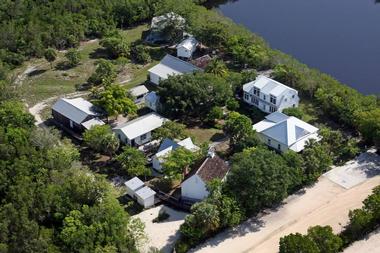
139 93
169 145
133 185
281 132
193 188
187 47
139 131
170 66
145 197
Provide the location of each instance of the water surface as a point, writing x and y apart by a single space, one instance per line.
338 37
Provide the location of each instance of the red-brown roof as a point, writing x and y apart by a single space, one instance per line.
212 168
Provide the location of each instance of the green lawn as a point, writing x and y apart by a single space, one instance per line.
46 82
202 135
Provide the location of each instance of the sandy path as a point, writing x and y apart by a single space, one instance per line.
326 203
161 235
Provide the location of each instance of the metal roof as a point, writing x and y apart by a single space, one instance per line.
141 125
284 129
92 122
267 86
145 193
134 184
171 65
76 109
189 43
138 90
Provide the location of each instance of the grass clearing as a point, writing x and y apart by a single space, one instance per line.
202 135
46 81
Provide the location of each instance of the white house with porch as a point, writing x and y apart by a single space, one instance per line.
139 93
170 66
187 47
168 146
282 132
269 95
139 131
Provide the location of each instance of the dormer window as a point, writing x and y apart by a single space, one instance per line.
293 96
256 91
273 99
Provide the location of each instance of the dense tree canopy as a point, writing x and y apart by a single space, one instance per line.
258 179
101 139
47 204
193 95
133 162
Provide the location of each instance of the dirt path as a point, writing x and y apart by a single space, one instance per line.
37 108
326 203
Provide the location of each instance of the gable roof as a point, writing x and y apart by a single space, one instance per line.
168 145
76 109
134 184
92 122
145 192
171 65
189 43
267 86
284 129
141 125
138 90
212 168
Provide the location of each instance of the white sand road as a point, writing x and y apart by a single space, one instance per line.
371 244
326 203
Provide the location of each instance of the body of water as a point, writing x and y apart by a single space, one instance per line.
338 37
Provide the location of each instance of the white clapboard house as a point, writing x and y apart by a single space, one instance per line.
139 131
187 47
282 132
194 187
170 66
269 95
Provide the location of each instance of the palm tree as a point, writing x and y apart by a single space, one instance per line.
217 67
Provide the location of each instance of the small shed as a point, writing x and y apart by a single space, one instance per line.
92 122
133 185
187 47
145 197
139 92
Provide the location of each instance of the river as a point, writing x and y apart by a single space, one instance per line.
338 37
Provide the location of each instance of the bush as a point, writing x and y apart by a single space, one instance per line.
294 111
73 56
162 215
140 54
233 104
215 114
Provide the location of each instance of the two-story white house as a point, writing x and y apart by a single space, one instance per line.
269 95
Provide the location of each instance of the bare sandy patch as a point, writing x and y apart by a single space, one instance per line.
164 234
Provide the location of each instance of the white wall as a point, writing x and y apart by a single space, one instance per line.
121 136
296 147
156 164
288 101
154 78
183 52
281 103
146 203
194 188
274 143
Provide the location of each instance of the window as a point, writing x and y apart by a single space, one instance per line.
272 109
255 101
286 100
293 96
264 107
294 105
273 99
256 91
269 142
246 96
279 147
143 137
264 97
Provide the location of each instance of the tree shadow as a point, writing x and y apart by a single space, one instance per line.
217 137
63 65
100 53
37 72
